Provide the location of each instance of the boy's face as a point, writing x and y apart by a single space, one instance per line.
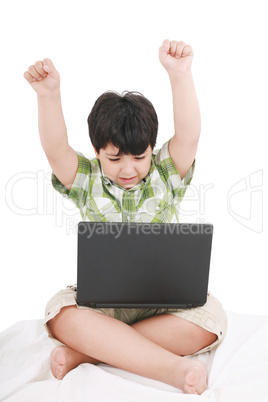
125 170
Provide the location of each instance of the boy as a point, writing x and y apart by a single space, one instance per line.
127 182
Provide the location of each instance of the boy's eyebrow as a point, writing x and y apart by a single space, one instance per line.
115 155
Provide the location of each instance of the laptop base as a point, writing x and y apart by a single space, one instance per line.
135 305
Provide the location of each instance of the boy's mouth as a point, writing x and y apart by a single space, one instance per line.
127 180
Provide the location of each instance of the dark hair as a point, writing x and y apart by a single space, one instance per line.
128 121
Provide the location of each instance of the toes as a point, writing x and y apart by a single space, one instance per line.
59 372
58 362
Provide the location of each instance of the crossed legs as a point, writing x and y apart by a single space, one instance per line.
153 347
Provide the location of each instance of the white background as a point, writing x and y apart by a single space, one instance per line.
104 45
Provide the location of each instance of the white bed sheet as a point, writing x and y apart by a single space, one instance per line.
238 370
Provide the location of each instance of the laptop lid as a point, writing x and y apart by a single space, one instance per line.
147 265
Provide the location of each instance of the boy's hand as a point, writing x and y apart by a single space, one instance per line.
43 77
176 57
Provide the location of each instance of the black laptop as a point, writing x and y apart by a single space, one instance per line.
143 265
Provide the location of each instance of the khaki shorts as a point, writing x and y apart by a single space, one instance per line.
211 316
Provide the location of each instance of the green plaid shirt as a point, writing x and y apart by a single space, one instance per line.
155 199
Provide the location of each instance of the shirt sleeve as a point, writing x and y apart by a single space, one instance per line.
170 174
80 187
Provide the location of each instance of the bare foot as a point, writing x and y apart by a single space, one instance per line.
191 376
188 375
64 359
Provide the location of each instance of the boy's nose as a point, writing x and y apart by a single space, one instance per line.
128 170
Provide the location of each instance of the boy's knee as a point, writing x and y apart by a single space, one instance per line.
51 326
203 338
208 338
56 323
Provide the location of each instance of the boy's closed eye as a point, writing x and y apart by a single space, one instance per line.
117 159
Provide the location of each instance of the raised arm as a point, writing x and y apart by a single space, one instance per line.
177 57
45 80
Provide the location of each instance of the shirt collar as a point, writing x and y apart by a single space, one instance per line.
105 178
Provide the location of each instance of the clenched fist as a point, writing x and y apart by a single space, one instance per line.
176 57
43 77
